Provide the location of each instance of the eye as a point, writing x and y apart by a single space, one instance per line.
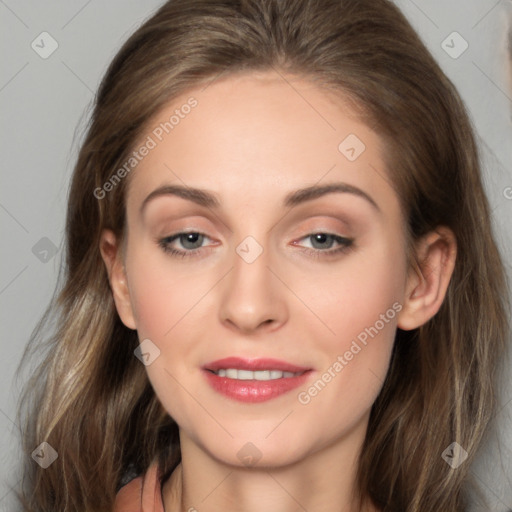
323 242
191 241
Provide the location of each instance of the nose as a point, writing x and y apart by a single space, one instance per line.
253 299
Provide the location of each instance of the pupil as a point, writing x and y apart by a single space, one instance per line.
320 238
191 238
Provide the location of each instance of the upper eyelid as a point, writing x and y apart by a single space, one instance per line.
177 234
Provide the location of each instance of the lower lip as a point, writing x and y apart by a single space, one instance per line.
254 391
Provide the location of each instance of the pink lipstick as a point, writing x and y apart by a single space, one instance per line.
254 380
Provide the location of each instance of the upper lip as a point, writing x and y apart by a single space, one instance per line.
254 364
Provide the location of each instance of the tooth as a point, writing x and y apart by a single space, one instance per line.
245 375
262 375
231 373
234 373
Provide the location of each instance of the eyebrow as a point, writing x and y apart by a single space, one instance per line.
210 200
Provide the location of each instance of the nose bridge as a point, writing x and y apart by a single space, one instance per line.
250 296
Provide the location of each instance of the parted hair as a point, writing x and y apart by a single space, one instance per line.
91 399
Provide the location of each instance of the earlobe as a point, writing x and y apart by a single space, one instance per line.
111 253
427 285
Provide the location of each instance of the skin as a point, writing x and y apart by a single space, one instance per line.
287 304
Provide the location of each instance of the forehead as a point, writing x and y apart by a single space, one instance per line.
258 134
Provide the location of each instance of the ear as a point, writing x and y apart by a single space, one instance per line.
111 253
427 284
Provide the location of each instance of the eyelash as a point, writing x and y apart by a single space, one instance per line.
346 245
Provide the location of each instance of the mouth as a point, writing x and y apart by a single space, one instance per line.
254 380
237 374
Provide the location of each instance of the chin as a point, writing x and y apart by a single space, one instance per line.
263 454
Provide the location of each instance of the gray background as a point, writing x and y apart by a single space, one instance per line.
43 101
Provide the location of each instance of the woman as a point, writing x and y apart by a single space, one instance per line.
259 369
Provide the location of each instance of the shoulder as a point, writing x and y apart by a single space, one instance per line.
142 494
129 497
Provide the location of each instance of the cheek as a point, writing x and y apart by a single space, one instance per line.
161 294
353 297
164 302
359 308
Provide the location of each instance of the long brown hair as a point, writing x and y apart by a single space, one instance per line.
91 399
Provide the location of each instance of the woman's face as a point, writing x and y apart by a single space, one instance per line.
313 280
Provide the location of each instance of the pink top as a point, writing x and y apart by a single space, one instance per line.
142 494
